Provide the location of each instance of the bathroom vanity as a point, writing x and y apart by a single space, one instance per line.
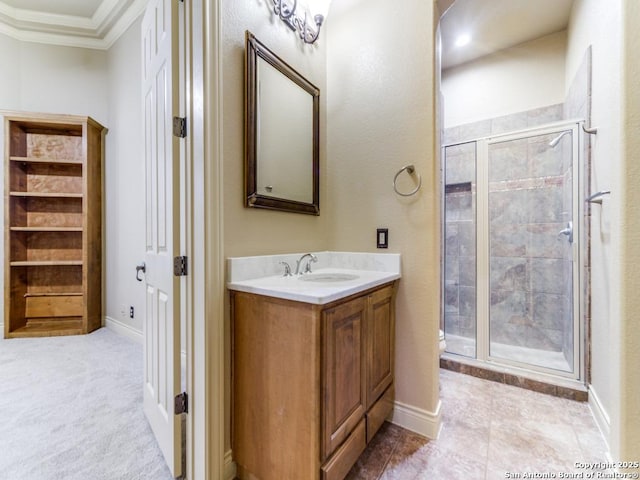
312 368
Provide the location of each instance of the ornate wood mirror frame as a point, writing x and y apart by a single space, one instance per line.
282 134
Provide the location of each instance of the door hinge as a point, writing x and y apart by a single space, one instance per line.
181 404
180 266
179 127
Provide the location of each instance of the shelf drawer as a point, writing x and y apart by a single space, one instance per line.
337 467
379 412
53 306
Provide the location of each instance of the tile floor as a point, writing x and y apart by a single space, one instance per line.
489 431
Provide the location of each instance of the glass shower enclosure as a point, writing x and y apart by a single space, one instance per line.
511 250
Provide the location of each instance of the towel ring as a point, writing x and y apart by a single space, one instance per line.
410 170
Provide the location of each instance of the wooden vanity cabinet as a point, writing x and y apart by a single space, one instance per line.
312 384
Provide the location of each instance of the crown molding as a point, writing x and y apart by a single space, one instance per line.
100 31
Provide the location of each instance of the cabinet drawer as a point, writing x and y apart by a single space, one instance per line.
379 412
337 467
58 306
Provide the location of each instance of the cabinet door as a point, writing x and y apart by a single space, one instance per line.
343 372
379 334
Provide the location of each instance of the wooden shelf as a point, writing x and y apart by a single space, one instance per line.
53 294
44 228
45 328
47 263
46 194
44 160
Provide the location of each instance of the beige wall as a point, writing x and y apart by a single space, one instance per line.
524 77
597 24
258 231
625 442
255 231
381 85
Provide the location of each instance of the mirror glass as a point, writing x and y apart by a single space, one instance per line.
282 125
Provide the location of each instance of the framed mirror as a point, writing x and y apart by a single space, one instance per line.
282 134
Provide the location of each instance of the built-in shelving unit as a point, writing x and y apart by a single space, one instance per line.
53 234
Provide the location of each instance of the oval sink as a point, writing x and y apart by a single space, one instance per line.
328 277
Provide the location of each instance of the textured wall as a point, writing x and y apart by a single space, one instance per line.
596 24
381 84
124 181
513 80
626 431
250 231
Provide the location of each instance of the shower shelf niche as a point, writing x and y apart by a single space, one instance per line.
457 187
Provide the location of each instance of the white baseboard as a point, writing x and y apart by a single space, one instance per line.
132 333
417 420
229 466
600 414
123 329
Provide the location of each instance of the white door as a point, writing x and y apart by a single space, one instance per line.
161 153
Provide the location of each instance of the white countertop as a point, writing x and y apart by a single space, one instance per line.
258 275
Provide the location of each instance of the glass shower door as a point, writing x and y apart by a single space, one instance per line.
460 249
530 255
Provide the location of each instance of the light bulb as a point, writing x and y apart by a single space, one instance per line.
318 7
463 40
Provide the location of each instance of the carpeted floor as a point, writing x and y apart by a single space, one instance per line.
71 409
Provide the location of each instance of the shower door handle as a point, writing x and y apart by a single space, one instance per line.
567 231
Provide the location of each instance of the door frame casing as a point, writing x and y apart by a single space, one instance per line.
201 239
205 322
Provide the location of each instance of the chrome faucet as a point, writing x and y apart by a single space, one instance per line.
307 269
287 269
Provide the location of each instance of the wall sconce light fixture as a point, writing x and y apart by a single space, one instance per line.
286 10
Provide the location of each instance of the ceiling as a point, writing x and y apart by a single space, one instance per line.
498 24
78 23
493 24
83 8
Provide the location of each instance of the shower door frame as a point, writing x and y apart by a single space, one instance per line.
482 345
